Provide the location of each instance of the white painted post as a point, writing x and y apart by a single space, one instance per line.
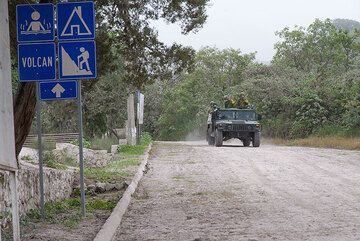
7 140
130 124
14 207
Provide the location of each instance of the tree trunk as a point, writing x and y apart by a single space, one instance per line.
24 111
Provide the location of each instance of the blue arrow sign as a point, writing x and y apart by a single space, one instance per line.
77 60
58 90
36 62
35 22
76 20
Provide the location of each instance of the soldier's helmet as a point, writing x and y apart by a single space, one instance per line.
226 97
242 95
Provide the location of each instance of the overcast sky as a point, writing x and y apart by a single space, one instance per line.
249 25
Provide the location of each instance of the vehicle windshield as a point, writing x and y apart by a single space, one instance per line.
236 115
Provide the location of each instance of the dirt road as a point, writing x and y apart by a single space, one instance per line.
196 192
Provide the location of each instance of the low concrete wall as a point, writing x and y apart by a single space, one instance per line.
58 185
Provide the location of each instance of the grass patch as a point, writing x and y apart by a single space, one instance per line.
27 158
50 161
86 143
67 212
100 204
336 142
72 222
69 161
114 171
103 175
137 149
132 150
103 144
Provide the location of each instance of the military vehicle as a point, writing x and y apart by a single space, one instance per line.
225 124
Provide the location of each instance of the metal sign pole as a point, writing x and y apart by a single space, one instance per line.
40 150
81 153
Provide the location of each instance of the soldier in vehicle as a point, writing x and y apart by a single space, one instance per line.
229 102
242 102
213 106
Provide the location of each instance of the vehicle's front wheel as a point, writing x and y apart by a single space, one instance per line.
256 139
210 140
246 142
218 137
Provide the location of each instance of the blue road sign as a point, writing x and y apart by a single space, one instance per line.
58 90
35 22
76 20
36 62
77 60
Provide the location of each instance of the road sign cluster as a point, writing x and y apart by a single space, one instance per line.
75 32
72 38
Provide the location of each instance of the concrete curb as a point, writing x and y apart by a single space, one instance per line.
108 230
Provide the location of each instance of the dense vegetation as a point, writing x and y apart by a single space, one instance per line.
311 87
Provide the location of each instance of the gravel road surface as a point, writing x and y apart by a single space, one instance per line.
196 192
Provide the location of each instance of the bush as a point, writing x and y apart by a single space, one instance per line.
336 130
86 143
50 161
103 143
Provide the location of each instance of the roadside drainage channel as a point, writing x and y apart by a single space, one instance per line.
108 230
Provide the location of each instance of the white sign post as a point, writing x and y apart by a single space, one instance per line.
140 109
7 140
139 115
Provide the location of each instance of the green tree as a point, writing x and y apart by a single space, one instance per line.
273 89
147 58
321 49
186 105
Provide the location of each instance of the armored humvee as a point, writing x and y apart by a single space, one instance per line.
225 124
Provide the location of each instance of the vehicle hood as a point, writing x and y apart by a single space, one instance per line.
237 122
